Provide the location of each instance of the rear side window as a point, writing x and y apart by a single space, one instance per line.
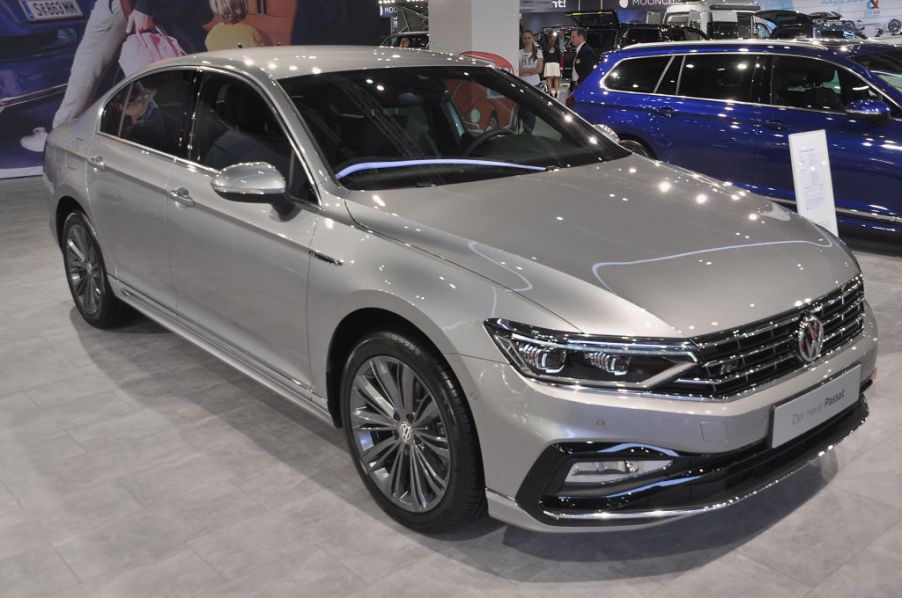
718 76
152 111
112 112
637 74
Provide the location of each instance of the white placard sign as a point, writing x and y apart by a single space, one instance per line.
811 176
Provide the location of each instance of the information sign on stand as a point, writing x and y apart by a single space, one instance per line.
811 177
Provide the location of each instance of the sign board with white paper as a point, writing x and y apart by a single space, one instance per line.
811 177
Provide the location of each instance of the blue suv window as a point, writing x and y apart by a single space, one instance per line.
816 85
637 74
718 76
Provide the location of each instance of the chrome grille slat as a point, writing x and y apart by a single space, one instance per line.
740 359
742 374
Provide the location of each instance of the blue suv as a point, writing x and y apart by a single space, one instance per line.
726 109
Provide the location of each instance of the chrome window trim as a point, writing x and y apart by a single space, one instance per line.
758 53
682 56
184 161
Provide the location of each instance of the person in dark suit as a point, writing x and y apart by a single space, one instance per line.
585 58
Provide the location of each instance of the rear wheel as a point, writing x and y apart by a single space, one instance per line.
637 147
410 433
86 275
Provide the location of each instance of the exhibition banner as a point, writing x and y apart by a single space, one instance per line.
58 56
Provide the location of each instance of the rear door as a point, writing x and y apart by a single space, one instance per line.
131 160
808 94
710 124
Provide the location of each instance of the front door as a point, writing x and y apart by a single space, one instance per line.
807 95
240 269
129 165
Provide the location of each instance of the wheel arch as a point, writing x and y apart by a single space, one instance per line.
65 206
353 327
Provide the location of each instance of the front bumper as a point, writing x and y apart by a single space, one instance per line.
530 433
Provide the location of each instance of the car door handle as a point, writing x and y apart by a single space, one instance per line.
182 197
97 163
665 111
775 125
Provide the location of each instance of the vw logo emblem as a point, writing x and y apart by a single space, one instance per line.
405 431
810 338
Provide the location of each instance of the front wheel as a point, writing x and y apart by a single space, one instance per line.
411 434
86 275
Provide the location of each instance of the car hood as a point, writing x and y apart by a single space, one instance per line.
628 247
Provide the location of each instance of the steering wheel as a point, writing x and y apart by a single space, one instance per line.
485 136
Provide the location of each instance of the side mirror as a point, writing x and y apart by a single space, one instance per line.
607 132
253 182
871 110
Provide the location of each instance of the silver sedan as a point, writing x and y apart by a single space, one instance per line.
500 306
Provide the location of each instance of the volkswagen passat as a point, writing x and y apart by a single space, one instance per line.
525 318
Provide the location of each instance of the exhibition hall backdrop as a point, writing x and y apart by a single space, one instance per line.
39 39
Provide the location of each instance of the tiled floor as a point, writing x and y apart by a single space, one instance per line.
132 464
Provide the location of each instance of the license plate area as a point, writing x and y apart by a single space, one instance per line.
50 10
806 412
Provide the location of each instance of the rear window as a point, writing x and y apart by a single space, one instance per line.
637 74
718 76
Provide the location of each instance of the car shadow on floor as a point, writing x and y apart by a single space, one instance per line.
487 545
872 242
660 551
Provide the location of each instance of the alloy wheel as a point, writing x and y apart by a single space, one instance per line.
400 434
84 269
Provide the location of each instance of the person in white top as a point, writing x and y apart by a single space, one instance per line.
532 63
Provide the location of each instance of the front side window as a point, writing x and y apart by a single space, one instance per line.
637 74
152 111
425 126
234 124
718 76
816 85
887 65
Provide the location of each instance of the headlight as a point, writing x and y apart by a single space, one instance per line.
571 358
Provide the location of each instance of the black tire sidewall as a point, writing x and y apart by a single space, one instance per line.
108 306
440 381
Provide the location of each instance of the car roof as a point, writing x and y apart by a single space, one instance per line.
817 48
280 62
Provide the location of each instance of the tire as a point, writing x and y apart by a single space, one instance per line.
411 434
637 147
894 26
87 276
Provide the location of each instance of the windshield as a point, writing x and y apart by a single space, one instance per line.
886 65
425 126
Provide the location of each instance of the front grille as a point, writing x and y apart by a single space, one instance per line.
738 360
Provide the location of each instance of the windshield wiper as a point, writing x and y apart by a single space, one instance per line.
344 172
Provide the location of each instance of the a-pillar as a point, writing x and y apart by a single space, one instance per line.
482 25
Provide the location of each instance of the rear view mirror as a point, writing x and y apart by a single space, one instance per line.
253 182
872 110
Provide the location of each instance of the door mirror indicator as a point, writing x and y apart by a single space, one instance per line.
253 182
871 110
